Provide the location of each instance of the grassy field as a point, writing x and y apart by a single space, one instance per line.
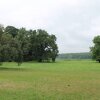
64 80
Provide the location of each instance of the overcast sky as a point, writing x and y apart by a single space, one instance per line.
74 22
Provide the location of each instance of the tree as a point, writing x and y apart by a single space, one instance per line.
1 32
31 55
40 45
96 49
45 47
22 45
5 48
54 47
11 30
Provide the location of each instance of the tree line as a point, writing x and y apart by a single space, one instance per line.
26 45
78 56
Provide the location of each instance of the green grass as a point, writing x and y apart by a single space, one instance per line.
64 80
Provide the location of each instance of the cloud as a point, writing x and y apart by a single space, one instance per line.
74 22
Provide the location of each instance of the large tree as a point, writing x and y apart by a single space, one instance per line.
5 48
96 49
23 45
33 44
53 47
45 46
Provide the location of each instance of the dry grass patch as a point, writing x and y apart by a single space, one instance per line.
15 86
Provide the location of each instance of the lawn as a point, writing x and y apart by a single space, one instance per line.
63 80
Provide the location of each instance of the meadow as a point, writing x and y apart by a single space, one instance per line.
63 80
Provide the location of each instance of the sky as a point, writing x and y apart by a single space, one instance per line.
74 22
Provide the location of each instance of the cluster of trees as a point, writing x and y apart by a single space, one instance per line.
96 49
25 45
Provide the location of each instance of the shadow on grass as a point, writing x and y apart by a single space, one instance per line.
12 69
94 61
35 62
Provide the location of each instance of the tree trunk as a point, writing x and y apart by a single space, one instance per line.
1 63
40 60
19 63
53 59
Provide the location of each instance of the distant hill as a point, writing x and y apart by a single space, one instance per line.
85 55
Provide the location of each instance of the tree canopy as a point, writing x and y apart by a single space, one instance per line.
26 45
96 48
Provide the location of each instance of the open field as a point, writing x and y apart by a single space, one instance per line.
64 80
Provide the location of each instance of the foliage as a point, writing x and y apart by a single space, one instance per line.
25 45
96 49
11 30
69 56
